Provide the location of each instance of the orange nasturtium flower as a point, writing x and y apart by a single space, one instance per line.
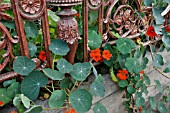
140 109
151 32
122 74
1 103
13 112
95 55
42 56
72 110
141 72
106 54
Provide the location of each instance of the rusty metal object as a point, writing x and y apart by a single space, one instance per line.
67 26
31 10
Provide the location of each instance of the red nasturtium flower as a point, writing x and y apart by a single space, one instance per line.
72 110
141 72
167 29
95 55
122 74
1 103
151 32
140 109
42 56
106 54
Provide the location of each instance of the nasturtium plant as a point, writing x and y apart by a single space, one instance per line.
53 74
31 29
167 69
4 96
94 40
31 84
158 61
64 66
152 102
123 83
99 108
81 71
59 47
81 100
57 99
34 109
13 89
32 49
23 65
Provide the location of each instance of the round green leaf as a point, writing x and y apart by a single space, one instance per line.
139 84
125 45
99 108
16 101
32 49
34 109
147 80
31 29
53 74
140 101
3 96
64 66
131 89
65 83
152 102
59 47
81 71
81 100
158 61
167 69
23 65
13 89
162 108
123 83
31 84
25 101
97 88
158 84
95 40
8 82
57 99
133 65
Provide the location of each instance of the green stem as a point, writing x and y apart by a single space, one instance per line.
48 89
73 87
53 62
46 109
52 86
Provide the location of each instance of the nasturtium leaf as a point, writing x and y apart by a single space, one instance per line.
131 89
140 101
34 109
16 101
115 34
81 100
152 102
23 65
59 47
31 84
137 53
57 99
112 74
138 94
64 66
4 96
166 40
158 61
31 29
97 88
99 108
114 53
95 40
157 14
158 85
13 89
148 2
144 62
139 84
122 59
137 77
123 83
65 83
94 70
25 101
158 29
133 65
8 82
81 71
167 1
162 108
167 69
146 79
32 49
53 74
125 45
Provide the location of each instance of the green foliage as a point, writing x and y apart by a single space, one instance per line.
25 101
53 74
57 99
152 102
158 61
162 108
32 49
123 83
31 29
81 71
4 96
13 89
23 66
59 47
167 69
158 17
94 40
34 109
99 108
31 84
81 100
158 84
